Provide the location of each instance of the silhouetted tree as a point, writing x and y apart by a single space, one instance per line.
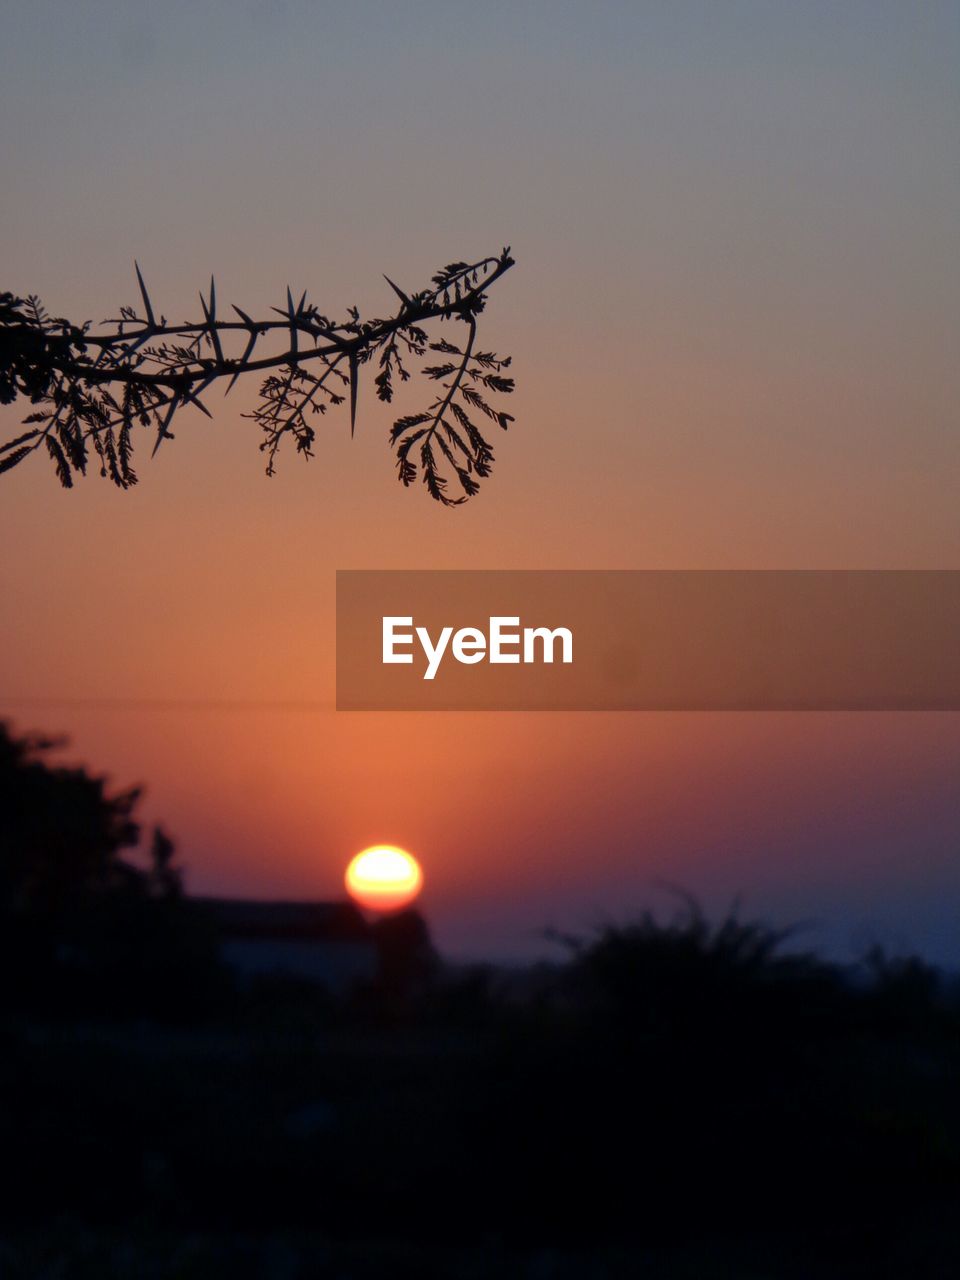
96 386
62 834
85 910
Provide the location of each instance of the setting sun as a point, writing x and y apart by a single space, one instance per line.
384 878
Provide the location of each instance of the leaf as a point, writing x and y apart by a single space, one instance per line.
124 452
404 424
71 437
63 467
11 460
27 435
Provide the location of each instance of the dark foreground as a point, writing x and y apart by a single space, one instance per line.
673 1101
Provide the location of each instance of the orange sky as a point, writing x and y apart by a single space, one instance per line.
734 322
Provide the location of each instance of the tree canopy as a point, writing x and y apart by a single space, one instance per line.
64 835
92 913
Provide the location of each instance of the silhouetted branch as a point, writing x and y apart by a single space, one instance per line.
96 386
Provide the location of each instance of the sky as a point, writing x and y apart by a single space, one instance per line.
734 324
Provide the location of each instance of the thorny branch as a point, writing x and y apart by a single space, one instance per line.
95 387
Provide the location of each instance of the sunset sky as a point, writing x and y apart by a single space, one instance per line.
734 322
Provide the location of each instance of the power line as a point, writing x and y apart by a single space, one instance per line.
170 704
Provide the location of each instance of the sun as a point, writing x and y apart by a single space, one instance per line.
384 878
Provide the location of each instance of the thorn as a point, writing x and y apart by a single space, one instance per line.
187 394
201 406
292 316
353 392
144 295
398 291
209 317
162 432
251 343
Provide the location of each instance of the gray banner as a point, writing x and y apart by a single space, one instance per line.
648 640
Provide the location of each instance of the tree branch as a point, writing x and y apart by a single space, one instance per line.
95 386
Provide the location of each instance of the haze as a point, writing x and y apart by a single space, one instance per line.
734 326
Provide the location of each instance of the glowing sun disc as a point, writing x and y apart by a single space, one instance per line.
384 878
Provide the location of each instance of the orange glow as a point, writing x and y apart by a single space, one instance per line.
384 878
